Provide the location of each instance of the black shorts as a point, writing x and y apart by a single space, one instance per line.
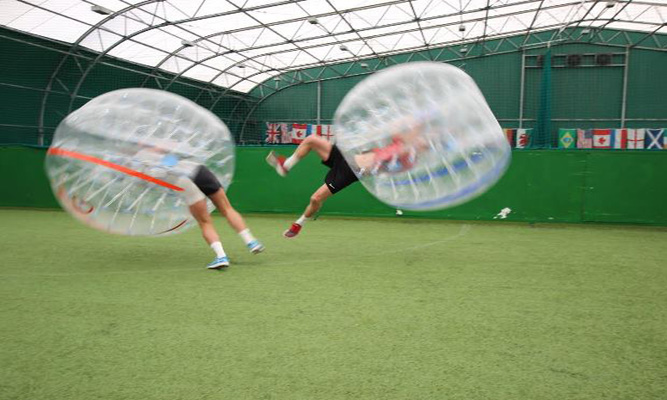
206 181
340 174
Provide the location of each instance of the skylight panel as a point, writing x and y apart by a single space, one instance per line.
322 52
292 30
244 86
125 24
221 24
176 64
201 72
426 9
13 11
268 50
210 7
369 18
315 7
341 5
160 39
278 13
138 53
226 80
643 13
441 35
45 23
288 60
100 40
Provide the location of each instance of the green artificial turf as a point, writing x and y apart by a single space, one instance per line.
351 309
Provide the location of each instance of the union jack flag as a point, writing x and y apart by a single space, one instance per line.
273 133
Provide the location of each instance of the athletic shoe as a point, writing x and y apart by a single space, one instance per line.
255 247
277 161
219 262
292 231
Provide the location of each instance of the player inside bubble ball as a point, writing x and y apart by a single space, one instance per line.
198 183
407 141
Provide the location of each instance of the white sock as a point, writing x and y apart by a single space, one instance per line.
290 162
246 236
219 251
302 220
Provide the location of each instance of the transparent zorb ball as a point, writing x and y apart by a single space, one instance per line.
420 136
119 162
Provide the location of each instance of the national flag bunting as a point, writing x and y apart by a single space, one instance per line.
523 138
602 138
323 131
619 138
273 133
509 134
654 139
300 132
566 138
286 136
584 139
635 138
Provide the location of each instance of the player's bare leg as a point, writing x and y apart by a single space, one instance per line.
235 220
316 201
312 143
199 211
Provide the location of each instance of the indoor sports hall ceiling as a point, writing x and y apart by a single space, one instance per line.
238 44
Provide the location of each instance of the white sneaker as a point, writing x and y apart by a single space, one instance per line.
277 162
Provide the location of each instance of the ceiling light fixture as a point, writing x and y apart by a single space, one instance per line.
101 10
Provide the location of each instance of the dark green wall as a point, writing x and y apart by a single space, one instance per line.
547 185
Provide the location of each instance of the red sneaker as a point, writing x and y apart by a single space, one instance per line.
292 231
277 161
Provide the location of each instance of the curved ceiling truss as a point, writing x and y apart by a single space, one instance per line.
237 46
241 44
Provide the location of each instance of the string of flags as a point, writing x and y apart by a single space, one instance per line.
291 133
642 138
521 138
574 138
